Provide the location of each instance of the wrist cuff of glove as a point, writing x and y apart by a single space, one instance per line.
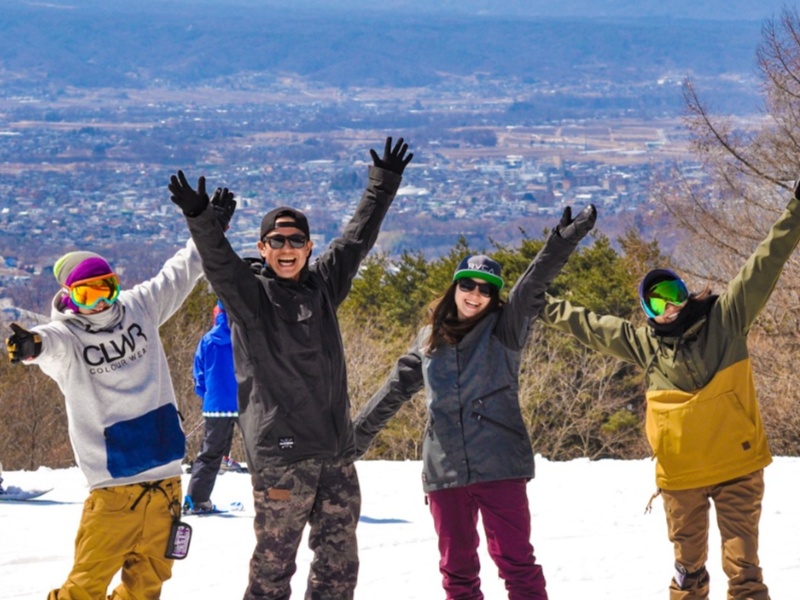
196 208
37 346
566 235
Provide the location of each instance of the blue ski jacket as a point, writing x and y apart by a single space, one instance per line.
214 377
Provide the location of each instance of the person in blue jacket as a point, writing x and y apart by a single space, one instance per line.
215 383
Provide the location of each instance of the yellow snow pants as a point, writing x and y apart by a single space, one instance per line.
124 527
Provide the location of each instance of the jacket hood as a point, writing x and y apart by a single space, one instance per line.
221 332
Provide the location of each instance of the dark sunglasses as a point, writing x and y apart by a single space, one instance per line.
276 242
485 289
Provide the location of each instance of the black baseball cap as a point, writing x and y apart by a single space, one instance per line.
285 214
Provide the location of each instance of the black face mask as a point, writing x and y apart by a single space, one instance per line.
689 315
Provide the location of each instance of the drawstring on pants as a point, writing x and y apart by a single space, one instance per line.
174 505
649 508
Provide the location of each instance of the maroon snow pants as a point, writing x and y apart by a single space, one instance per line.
503 506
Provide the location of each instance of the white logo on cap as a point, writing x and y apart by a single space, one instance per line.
479 267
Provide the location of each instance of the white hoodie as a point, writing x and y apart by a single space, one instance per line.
111 368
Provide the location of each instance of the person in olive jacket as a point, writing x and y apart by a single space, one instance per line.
294 410
477 456
703 420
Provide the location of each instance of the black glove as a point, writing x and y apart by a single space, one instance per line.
223 204
394 159
23 344
796 189
192 203
573 230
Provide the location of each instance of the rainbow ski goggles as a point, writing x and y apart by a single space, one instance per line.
88 293
656 298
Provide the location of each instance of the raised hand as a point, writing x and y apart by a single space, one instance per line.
23 344
223 204
191 202
394 159
575 229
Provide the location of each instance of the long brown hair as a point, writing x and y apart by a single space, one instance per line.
445 326
702 294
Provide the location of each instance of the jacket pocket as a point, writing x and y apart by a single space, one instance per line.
148 441
499 411
429 427
489 395
508 428
112 499
700 435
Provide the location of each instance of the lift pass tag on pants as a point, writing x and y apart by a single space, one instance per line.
179 537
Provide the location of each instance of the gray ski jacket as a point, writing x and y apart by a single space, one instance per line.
475 431
288 355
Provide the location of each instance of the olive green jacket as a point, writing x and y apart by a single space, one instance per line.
703 420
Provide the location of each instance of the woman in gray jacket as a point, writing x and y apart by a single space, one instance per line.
477 455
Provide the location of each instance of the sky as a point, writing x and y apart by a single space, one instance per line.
590 534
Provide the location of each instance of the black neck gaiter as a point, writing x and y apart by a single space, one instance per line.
689 315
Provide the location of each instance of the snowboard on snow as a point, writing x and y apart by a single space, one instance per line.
190 510
206 513
15 494
229 465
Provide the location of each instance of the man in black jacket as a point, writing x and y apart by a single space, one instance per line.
294 409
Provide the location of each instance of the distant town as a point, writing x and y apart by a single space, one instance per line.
89 169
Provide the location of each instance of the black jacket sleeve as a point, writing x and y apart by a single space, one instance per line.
339 264
404 381
527 298
231 277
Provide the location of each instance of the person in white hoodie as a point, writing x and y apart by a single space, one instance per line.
103 349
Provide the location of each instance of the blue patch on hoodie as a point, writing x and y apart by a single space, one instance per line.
152 440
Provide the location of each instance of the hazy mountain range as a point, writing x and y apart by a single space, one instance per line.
356 42
688 9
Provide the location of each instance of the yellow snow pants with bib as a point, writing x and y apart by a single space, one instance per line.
124 527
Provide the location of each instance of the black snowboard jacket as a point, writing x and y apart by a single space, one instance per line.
288 354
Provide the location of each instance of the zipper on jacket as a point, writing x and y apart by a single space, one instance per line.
480 417
490 394
480 403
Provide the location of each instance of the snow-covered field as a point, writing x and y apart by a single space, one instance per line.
590 534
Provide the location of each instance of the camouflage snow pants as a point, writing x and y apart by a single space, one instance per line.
737 504
323 494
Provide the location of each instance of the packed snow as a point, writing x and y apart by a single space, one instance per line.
590 534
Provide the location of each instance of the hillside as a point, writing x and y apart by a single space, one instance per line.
180 43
